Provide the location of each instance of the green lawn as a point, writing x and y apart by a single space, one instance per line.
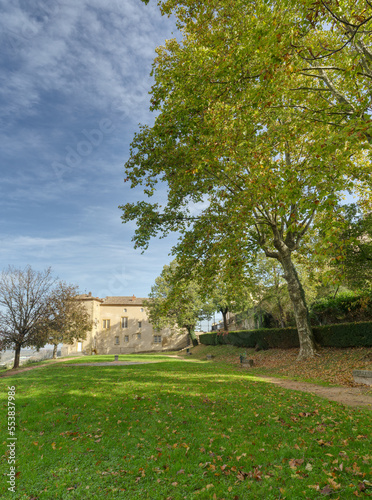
178 429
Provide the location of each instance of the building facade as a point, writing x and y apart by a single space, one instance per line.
120 326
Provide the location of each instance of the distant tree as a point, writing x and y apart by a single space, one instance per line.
354 266
68 319
269 291
224 292
175 302
24 302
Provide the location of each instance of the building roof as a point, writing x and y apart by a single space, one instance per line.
123 301
87 296
114 301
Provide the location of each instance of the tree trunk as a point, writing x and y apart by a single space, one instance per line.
224 311
17 356
54 351
192 335
307 342
281 314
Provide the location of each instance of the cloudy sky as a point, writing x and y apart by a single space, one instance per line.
74 87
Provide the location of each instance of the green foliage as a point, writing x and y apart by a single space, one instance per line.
345 307
339 335
345 335
68 319
242 140
176 302
208 338
262 338
355 263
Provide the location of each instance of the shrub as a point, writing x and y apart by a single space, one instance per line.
337 335
344 335
208 338
346 307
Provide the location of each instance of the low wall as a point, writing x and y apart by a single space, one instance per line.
363 376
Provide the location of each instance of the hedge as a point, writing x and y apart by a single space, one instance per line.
347 307
344 334
338 335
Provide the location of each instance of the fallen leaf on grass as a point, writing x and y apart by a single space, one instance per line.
326 490
295 462
334 485
362 487
314 486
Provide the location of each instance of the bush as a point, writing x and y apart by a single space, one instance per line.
344 335
338 335
346 307
208 338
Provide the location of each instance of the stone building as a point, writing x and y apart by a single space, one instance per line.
120 326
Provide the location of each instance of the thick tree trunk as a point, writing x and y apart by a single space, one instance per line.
54 351
17 356
307 343
192 335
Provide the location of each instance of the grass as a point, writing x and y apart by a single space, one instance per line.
179 430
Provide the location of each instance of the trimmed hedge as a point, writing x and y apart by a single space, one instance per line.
338 335
344 335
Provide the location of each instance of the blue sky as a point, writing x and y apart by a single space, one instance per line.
74 87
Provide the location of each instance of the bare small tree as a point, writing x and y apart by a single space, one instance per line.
24 304
68 319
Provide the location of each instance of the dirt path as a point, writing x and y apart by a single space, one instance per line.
351 396
11 372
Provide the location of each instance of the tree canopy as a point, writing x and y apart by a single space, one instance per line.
67 319
24 301
246 149
176 303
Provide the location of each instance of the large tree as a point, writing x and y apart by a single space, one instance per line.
175 302
241 176
67 319
24 301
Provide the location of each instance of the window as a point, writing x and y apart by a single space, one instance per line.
141 309
124 310
116 340
157 339
106 324
126 338
138 336
124 322
140 324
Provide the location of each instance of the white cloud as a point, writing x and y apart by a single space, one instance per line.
65 67
94 52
